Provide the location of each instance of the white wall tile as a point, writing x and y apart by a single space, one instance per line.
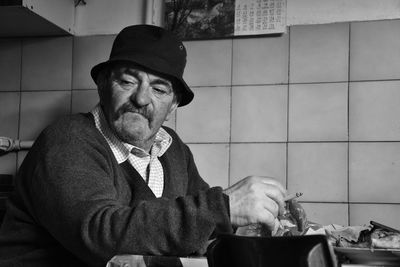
318 112
375 53
263 159
260 60
327 213
10 64
208 62
212 161
84 100
318 170
259 113
9 114
383 213
374 171
207 118
38 109
374 111
319 53
46 64
88 52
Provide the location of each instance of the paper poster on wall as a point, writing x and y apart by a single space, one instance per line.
209 19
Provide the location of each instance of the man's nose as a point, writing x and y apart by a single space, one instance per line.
142 95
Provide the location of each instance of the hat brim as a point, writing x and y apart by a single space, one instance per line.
185 91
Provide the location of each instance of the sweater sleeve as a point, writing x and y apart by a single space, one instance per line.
71 192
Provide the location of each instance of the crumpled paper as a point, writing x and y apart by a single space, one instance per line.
339 235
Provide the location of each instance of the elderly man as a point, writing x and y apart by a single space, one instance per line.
114 181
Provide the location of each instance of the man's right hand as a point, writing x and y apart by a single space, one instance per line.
256 199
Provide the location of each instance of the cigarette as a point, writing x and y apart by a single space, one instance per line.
293 196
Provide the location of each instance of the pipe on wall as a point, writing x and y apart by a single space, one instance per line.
155 12
8 145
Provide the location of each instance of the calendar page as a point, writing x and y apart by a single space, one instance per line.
207 19
260 17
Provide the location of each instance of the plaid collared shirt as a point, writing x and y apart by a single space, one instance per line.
147 165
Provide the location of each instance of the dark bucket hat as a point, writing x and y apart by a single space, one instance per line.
153 48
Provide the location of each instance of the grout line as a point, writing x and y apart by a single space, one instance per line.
348 128
348 202
47 90
293 142
377 80
51 90
230 118
348 183
296 83
288 110
81 90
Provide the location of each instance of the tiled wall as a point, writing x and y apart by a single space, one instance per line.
318 108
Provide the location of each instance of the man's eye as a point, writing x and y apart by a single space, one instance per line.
126 82
160 90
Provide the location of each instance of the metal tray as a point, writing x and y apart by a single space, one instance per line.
378 256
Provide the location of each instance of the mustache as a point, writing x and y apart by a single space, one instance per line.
129 107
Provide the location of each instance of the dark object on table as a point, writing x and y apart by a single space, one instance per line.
160 261
250 251
384 227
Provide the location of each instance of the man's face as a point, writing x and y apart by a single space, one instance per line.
136 103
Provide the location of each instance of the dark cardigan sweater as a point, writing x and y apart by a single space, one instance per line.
74 205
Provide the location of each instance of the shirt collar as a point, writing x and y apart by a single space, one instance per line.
120 149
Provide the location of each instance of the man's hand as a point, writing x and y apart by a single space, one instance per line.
256 199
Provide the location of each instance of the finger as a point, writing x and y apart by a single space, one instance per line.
268 219
277 196
274 182
270 205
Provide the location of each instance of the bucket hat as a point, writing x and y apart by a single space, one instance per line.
154 49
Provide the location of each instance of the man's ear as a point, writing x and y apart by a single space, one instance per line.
172 109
